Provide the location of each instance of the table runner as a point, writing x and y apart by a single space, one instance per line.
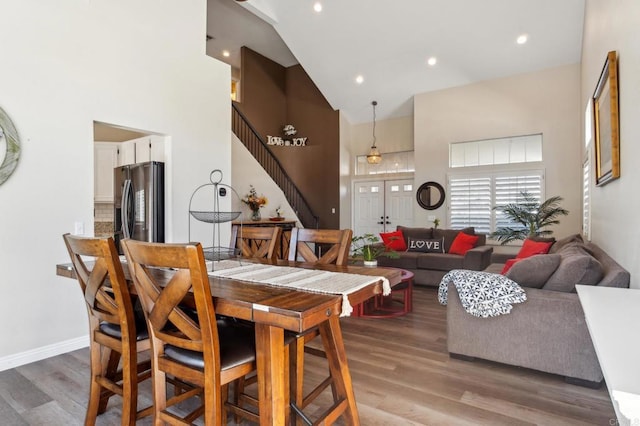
312 280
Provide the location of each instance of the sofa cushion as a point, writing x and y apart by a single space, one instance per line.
426 245
450 235
534 271
407 260
575 238
577 266
531 247
508 264
394 240
440 261
417 233
463 243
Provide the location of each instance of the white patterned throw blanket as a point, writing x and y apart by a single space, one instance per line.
312 280
482 294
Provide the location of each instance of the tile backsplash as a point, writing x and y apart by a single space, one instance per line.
103 212
103 219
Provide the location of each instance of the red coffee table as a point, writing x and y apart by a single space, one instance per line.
381 306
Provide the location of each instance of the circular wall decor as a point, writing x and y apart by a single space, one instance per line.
8 135
430 195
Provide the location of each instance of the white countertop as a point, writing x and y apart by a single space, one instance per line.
613 319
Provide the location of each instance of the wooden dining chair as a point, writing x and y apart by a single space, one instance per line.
116 332
204 351
307 245
261 242
304 246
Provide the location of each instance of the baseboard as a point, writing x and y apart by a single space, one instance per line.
37 354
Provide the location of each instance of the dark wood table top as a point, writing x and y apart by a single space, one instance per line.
288 308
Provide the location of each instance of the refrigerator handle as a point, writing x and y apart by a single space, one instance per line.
124 216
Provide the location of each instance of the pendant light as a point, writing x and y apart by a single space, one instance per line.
374 156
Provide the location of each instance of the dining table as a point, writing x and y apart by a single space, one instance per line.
275 309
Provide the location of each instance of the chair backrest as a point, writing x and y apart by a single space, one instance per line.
164 300
335 241
104 285
256 241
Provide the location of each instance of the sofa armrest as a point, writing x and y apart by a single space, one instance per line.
478 258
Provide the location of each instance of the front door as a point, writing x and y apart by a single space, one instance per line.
380 206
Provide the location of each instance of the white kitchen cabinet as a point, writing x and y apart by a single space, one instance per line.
105 158
127 153
150 148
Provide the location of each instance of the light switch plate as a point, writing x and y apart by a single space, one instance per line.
78 228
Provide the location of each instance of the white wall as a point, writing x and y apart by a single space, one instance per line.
392 135
67 63
247 171
613 25
346 169
542 102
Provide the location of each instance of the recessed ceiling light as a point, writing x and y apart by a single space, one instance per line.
317 6
522 39
226 53
359 79
432 61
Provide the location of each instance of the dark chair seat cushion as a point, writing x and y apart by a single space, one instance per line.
237 346
114 330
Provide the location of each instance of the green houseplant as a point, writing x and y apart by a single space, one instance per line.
531 218
368 247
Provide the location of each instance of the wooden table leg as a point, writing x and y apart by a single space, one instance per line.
273 375
337 358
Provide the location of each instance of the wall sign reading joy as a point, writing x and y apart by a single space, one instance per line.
288 130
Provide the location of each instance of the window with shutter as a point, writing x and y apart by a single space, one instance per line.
472 198
586 201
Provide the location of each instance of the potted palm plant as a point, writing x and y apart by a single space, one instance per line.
530 217
368 247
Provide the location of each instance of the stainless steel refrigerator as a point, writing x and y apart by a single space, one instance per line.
139 202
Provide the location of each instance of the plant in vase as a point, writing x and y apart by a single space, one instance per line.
368 247
255 202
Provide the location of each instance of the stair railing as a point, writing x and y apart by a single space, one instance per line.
258 148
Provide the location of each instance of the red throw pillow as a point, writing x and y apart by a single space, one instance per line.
508 264
530 248
463 243
394 241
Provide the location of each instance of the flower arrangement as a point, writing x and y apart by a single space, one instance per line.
279 211
253 200
436 223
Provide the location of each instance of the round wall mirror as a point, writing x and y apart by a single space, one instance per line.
430 195
9 147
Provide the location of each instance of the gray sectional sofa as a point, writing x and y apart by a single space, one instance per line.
547 332
429 268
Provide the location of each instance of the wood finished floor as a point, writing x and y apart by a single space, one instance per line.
401 371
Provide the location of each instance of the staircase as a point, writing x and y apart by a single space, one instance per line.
258 148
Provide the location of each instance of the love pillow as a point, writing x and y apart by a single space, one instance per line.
423 245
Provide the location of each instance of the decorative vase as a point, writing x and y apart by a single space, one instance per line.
371 263
255 215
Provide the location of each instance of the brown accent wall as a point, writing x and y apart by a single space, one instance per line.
273 96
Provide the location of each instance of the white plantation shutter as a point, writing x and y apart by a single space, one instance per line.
472 197
586 201
470 203
508 189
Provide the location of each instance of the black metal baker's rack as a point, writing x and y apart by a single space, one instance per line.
215 217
